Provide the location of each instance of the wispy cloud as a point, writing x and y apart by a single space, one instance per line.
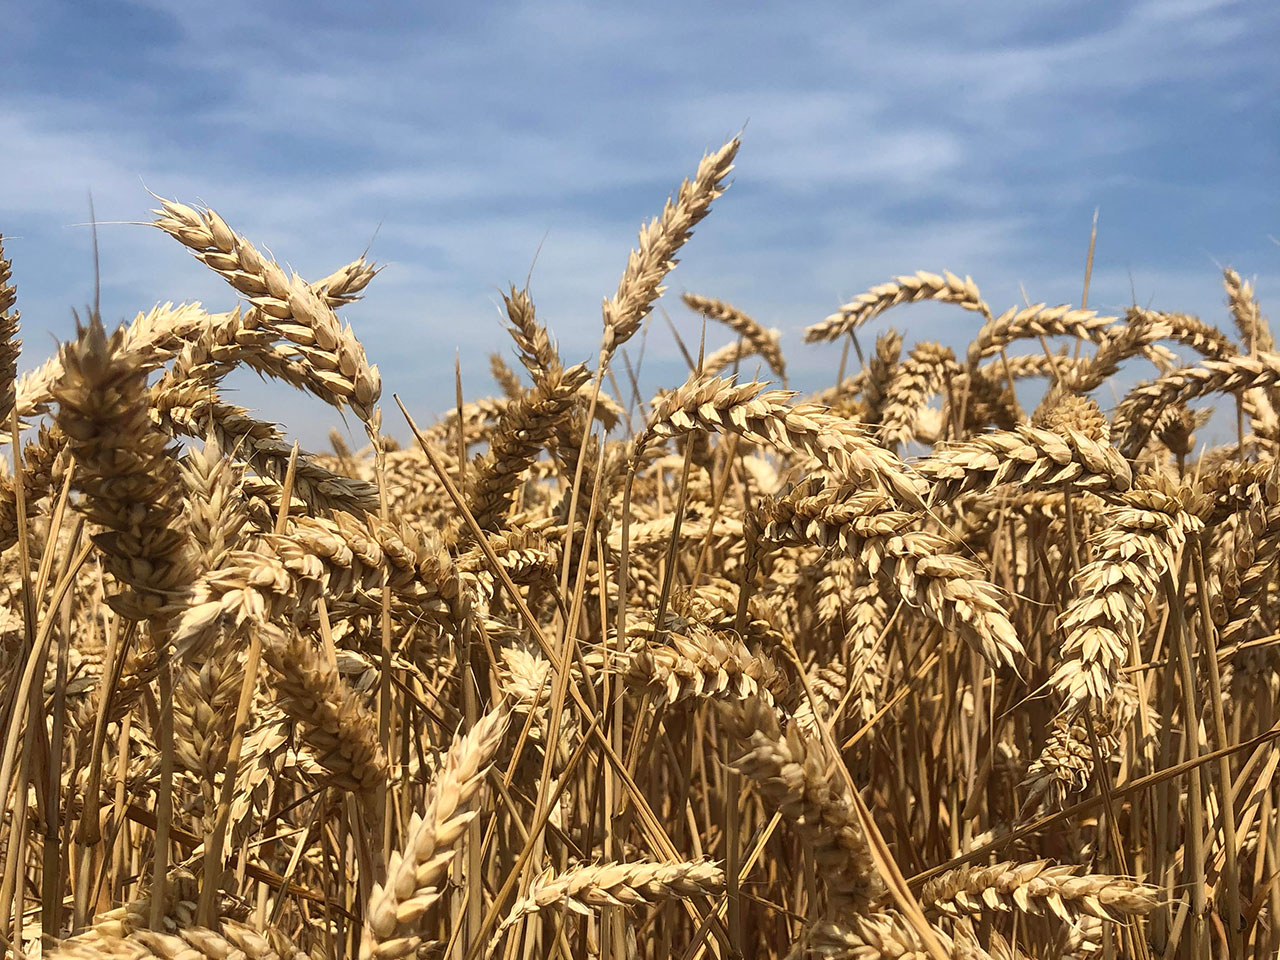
463 139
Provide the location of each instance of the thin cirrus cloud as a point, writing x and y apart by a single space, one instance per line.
463 141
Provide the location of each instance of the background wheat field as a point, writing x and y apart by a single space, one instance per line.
903 668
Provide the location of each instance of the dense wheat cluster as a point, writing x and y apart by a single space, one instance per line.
941 661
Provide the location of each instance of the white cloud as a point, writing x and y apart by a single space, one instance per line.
879 141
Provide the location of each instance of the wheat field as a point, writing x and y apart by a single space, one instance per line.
900 669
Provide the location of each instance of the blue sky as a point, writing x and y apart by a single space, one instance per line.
880 139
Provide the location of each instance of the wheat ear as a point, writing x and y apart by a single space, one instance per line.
1030 457
692 660
1037 320
717 405
341 732
613 884
1067 761
233 941
723 359
418 869
1035 888
1135 415
793 774
947 288
522 429
767 343
1249 320
876 936
10 346
881 371
155 336
127 473
924 568
288 306
660 240
1132 549
537 350
923 374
